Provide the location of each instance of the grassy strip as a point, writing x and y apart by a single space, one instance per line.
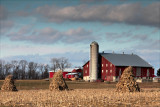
42 84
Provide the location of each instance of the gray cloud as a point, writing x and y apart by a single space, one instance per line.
138 41
50 36
124 13
23 13
116 36
3 13
123 37
152 46
5 26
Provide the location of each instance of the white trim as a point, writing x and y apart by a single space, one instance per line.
71 73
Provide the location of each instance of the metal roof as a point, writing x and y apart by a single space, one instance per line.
125 60
71 73
66 70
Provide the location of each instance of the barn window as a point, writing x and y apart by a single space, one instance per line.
119 72
85 71
102 71
102 65
106 65
110 65
110 71
87 65
106 71
138 72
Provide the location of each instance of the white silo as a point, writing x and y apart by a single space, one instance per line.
93 69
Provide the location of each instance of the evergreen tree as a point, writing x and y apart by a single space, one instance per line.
158 72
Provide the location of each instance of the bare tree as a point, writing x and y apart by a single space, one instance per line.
2 68
32 67
23 65
24 70
46 69
55 63
60 63
7 69
63 63
15 67
41 69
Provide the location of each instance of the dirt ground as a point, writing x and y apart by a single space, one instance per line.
82 94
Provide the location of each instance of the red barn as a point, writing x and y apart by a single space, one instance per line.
112 65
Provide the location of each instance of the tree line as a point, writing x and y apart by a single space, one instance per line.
31 70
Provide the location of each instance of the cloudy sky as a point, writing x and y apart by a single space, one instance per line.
37 30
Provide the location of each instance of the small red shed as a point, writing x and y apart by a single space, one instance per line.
71 71
72 75
51 73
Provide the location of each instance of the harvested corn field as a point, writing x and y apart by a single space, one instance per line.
34 93
80 97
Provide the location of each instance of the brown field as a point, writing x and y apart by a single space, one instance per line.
35 93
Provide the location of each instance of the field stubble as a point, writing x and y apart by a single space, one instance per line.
82 95
79 97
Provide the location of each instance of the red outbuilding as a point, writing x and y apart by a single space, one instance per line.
51 73
72 75
68 73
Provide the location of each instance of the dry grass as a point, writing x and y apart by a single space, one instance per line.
83 94
80 98
41 84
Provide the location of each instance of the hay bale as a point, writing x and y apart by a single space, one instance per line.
127 82
8 84
58 82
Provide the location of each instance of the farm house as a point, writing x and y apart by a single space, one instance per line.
110 66
68 73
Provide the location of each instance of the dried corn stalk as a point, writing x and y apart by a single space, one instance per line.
8 84
127 82
58 82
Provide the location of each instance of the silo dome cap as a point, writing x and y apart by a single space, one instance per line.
94 43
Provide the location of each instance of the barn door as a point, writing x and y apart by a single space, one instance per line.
120 72
147 72
138 72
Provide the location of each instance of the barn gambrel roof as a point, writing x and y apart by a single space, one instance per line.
125 59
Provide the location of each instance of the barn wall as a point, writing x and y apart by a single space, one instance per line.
107 70
79 70
52 73
143 71
86 71
64 74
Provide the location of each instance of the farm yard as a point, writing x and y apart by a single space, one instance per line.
34 93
